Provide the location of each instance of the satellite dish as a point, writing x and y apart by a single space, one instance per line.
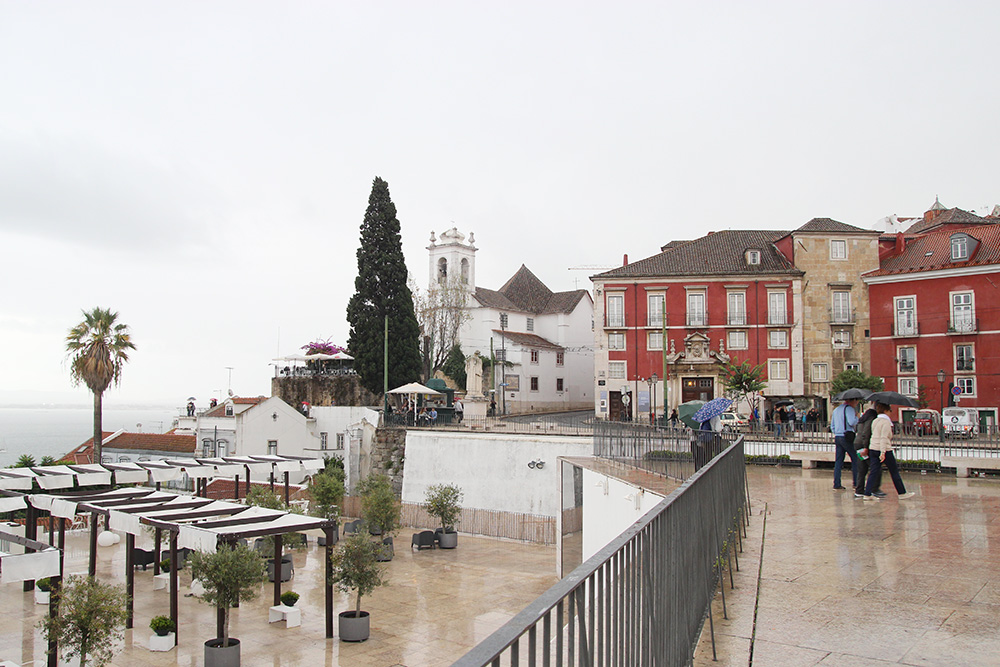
230 392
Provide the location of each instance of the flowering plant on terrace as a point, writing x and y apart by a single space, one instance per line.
322 347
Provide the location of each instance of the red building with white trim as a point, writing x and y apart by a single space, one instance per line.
935 311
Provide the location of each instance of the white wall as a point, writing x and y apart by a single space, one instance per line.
492 470
606 516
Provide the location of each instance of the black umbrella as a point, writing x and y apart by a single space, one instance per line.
853 392
893 398
786 401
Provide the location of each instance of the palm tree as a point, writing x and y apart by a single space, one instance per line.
98 349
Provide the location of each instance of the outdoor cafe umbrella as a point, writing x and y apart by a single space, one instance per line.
893 398
686 413
713 408
853 392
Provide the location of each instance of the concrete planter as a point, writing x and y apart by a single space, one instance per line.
217 656
354 629
448 540
162 642
286 568
41 597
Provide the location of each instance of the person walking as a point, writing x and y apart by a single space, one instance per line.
862 437
880 453
459 410
673 418
842 423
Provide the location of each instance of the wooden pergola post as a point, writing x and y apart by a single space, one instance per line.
277 570
174 615
286 488
129 578
156 550
92 568
30 532
328 587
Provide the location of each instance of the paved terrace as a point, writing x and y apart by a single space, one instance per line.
844 582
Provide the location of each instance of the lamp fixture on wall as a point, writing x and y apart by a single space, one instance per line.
274 416
603 484
536 464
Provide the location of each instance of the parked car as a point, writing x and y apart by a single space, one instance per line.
961 422
926 422
733 421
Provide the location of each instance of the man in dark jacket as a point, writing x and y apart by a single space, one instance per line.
862 437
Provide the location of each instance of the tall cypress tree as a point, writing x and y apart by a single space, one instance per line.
380 290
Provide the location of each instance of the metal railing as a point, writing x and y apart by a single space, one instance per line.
905 330
964 325
519 424
697 318
643 598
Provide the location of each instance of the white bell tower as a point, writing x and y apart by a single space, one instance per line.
452 259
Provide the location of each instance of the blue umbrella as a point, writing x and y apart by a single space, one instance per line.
713 408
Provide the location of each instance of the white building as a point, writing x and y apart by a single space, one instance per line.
546 337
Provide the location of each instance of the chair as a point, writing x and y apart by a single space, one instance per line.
142 557
353 526
423 539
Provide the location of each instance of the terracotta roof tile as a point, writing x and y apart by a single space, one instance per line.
528 339
525 292
163 442
828 225
718 253
933 251
952 216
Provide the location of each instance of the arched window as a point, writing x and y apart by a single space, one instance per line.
442 270
206 448
465 272
223 447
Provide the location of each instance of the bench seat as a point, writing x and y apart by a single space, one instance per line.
963 464
810 457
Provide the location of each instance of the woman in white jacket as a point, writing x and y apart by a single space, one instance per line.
880 453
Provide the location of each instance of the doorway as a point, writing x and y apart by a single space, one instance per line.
697 389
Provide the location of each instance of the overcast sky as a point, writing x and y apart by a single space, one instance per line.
203 167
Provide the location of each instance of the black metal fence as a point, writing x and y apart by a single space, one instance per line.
643 598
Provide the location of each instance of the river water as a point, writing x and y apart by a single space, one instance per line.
54 431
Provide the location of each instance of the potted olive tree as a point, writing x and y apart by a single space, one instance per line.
326 490
262 497
91 620
444 501
354 568
228 575
380 511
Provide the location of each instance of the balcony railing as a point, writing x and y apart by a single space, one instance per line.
657 320
778 318
841 316
697 318
736 319
904 329
614 321
964 325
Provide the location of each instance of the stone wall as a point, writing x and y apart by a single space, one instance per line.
388 455
323 390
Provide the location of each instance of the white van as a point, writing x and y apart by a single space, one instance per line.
960 422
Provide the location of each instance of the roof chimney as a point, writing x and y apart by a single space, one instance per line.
625 260
900 243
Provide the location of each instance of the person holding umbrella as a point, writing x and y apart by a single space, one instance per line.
880 450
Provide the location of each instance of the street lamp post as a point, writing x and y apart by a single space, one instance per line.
652 407
940 379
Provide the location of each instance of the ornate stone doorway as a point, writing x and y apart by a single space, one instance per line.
697 389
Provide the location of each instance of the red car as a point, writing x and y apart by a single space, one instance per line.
926 422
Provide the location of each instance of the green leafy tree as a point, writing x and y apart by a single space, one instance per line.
228 575
850 379
441 313
379 505
355 568
454 365
91 620
923 402
98 349
260 496
745 380
445 502
380 292
326 489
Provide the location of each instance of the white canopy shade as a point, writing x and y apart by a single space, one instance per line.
414 388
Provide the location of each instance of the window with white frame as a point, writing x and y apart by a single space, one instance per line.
906 357
964 359
501 355
852 366
962 312
655 307
206 448
340 440
777 340
530 324
737 340
777 369
838 249
534 356
906 315
616 370
841 311
967 385
559 384
842 340
229 409
753 257
697 316
908 386
654 341
959 247
560 358
737 314
820 372
272 447
222 448
616 310
777 312
533 382
324 439
616 341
